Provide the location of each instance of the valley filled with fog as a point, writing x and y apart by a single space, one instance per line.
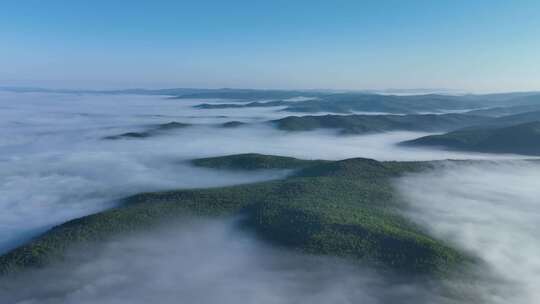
490 209
59 161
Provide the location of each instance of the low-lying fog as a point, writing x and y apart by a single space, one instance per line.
490 209
204 262
54 166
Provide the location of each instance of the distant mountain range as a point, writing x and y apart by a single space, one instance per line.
521 138
183 93
498 123
518 133
353 102
360 124
329 100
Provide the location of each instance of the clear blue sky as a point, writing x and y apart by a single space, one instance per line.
482 45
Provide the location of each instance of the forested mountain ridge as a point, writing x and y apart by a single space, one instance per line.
520 139
342 208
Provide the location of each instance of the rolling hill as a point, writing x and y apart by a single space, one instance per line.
343 208
359 124
519 139
255 104
151 131
351 102
505 111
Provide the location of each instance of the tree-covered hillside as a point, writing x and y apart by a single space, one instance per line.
505 111
247 94
519 139
151 131
350 102
343 208
255 104
361 124
254 161
358 102
358 124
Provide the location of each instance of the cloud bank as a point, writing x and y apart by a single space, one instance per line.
54 166
490 209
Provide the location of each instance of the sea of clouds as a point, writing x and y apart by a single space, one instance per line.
55 166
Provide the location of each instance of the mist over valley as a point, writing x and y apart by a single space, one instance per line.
127 198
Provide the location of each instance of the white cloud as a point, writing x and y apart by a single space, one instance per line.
490 209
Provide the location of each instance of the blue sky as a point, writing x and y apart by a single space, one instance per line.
483 45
